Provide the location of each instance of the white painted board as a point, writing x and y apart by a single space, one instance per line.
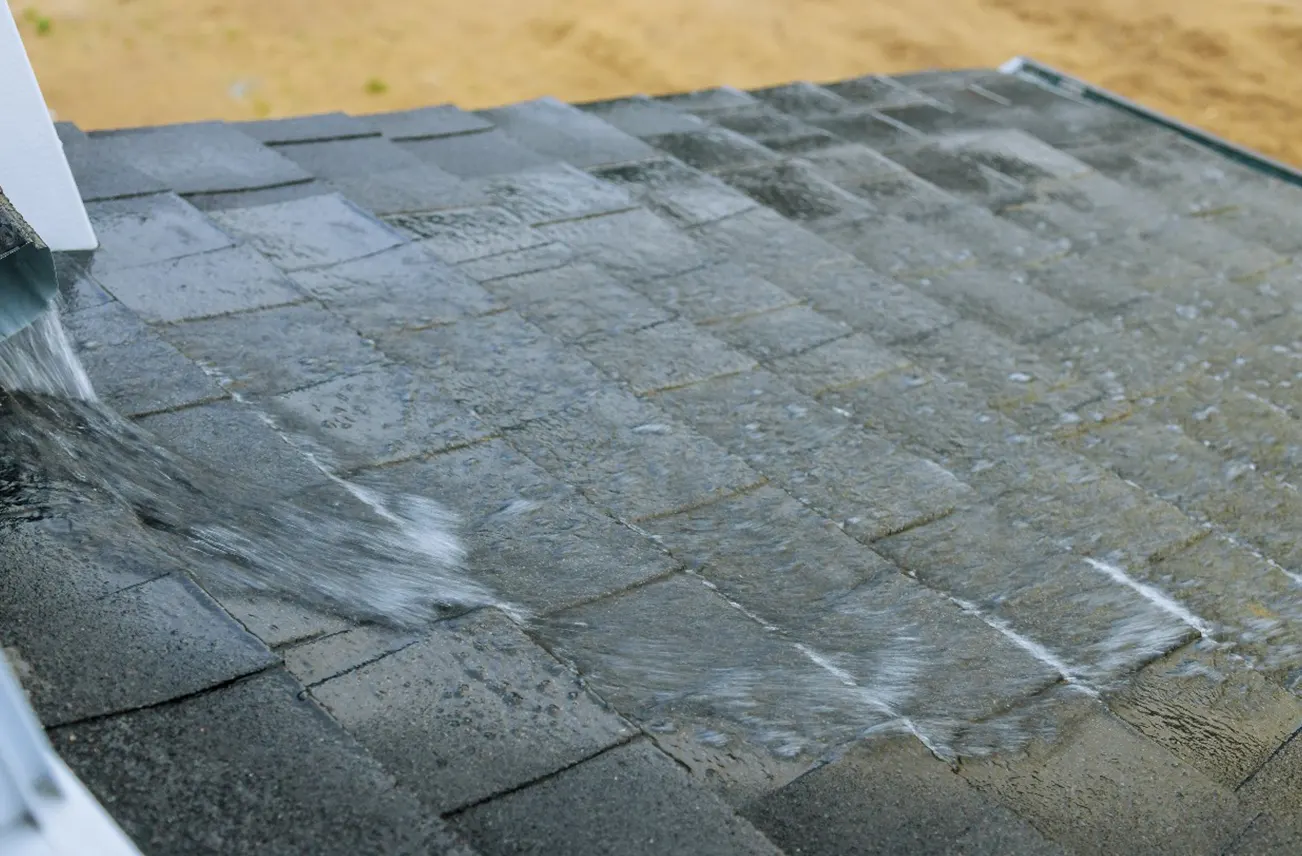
34 172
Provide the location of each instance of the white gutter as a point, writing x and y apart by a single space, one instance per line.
44 809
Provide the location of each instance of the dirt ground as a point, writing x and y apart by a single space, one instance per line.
1227 65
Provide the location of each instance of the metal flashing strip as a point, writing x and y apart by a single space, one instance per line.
1038 72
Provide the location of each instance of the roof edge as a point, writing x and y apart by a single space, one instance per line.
1047 75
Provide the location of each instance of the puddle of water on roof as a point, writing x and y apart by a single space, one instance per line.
396 560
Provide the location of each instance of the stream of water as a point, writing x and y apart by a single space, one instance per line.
400 564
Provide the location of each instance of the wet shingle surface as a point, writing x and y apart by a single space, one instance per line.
946 408
250 768
203 157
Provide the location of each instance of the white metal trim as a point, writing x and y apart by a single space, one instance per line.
50 812
33 168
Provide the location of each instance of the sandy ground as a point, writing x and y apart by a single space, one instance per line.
1228 65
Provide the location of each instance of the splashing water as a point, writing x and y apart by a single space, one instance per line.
399 563
40 359
397 559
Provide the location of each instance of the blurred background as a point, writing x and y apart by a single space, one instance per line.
1231 66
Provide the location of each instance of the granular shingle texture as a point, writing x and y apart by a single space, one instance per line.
950 409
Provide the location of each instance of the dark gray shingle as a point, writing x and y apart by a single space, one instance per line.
205 157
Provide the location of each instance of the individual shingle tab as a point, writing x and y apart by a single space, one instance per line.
803 100
713 148
104 656
643 117
559 192
329 656
705 101
774 129
1021 92
1023 577
558 130
309 232
624 454
465 234
379 415
796 191
476 155
133 369
69 562
856 477
716 292
578 302
609 641
520 716
670 187
204 157
855 166
1143 799
100 175
349 157
275 350
634 244
871 128
407 287
304 129
841 361
890 797
305 785
806 266
771 553
632 800
216 283
877 91
501 364
935 119
261 196
964 177
419 188
517 262
665 356
443 120
780 333
149 229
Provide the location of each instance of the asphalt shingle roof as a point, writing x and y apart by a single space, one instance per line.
946 406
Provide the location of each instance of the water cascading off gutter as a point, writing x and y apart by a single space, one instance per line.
44 809
28 284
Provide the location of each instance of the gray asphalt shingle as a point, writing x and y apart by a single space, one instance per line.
248 769
471 711
304 129
444 120
103 657
303 233
203 157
